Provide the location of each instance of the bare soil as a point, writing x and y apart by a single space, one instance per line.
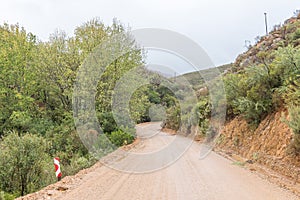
266 149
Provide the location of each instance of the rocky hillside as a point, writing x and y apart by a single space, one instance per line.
270 142
280 36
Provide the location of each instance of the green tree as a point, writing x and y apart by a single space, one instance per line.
58 61
17 82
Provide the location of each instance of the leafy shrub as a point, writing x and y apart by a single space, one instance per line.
235 87
157 113
153 96
257 90
286 66
6 196
139 105
77 163
120 138
202 112
65 142
291 90
23 163
107 122
20 120
250 93
173 118
38 100
296 34
41 126
294 124
253 111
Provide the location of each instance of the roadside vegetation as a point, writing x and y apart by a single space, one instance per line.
36 87
36 119
263 80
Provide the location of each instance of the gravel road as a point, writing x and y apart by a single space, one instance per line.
163 176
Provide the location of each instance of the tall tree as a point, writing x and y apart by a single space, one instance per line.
17 81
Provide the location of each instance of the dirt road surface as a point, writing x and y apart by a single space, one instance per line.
188 178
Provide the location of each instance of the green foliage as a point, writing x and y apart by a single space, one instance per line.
153 96
23 163
235 87
107 122
173 118
6 196
17 83
121 137
66 144
239 163
36 89
202 112
36 86
287 65
139 105
257 90
58 61
172 108
253 111
113 72
296 34
77 163
294 124
157 113
258 100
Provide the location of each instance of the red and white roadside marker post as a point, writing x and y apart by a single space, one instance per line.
57 168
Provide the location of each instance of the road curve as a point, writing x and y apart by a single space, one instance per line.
188 178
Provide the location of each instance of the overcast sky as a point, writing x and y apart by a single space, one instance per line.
219 26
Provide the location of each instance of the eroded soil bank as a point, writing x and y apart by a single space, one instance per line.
269 145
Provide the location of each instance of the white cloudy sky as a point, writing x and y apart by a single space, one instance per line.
219 26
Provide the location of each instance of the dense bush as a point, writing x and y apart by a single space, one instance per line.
235 88
202 112
107 122
121 137
294 124
257 90
173 118
36 90
296 35
6 196
36 86
157 113
24 160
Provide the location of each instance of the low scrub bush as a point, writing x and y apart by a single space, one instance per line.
202 112
24 163
121 137
294 124
173 118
